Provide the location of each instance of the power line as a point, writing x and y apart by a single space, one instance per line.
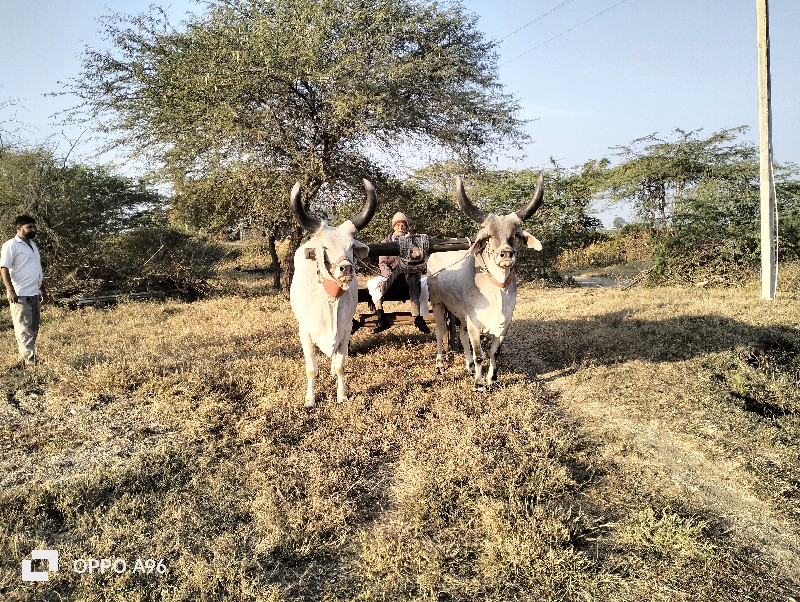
562 33
531 22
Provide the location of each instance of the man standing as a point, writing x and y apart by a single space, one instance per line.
21 270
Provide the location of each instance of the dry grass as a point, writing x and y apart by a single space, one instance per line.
640 445
693 396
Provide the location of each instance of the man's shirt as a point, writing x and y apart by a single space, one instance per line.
24 266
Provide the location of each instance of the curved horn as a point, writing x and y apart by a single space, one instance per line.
536 201
466 206
308 222
362 219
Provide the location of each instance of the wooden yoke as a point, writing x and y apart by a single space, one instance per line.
438 245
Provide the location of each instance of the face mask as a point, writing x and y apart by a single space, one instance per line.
30 235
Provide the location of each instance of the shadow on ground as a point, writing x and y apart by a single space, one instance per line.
608 339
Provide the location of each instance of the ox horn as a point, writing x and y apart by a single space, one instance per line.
308 222
538 195
466 206
362 219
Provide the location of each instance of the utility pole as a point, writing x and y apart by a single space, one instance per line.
769 243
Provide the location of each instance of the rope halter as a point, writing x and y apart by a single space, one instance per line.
332 286
485 269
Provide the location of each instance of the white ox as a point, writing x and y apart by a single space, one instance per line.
324 290
479 287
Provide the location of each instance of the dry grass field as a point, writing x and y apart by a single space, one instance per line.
641 445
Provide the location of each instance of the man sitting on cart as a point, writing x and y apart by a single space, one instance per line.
392 273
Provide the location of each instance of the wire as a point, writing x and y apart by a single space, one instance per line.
562 33
531 22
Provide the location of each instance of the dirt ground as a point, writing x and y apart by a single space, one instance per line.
687 466
640 413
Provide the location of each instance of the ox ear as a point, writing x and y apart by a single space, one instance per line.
360 250
480 241
530 240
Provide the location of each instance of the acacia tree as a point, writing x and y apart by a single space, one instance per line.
657 175
322 91
241 195
702 194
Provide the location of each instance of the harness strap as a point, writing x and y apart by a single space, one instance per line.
331 286
496 282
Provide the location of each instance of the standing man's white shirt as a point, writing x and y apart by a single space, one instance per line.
21 272
24 266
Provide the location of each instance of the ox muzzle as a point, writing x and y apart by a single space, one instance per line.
342 271
504 256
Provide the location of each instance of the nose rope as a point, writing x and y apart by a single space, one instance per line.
459 260
332 286
340 260
492 253
495 281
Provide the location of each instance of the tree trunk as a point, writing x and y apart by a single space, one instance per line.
295 237
276 264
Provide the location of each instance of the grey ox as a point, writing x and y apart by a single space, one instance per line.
479 287
324 289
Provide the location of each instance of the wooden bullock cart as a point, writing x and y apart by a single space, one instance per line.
399 290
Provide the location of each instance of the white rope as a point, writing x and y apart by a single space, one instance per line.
457 261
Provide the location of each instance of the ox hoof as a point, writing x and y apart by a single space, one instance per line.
479 388
309 403
342 399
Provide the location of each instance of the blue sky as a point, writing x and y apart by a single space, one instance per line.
643 66
590 74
